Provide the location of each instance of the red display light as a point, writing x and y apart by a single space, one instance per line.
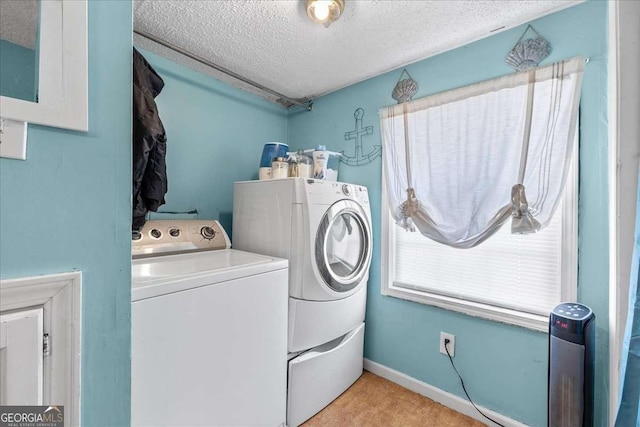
563 325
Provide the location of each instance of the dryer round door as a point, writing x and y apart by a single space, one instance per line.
343 246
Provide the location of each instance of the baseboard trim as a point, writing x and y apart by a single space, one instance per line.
445 398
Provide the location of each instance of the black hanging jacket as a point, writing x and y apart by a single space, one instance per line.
149 142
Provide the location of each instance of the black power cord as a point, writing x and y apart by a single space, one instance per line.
446 347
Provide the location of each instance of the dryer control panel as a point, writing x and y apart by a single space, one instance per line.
168 236
328 191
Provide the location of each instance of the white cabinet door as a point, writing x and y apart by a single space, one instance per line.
21 357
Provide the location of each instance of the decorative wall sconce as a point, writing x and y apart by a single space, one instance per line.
324 11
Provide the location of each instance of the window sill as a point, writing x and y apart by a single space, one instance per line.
504 315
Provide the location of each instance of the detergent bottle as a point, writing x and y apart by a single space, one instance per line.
320 159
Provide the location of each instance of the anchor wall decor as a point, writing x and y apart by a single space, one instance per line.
360 158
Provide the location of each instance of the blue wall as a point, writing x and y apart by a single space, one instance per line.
17 71
215 135
68 207
504 366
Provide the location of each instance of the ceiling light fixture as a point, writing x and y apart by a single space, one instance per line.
324 11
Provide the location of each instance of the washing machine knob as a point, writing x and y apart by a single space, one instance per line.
207 232
345 189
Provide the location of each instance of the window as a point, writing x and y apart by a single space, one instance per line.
449 161
511 278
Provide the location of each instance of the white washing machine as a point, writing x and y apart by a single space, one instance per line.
209 329
324 229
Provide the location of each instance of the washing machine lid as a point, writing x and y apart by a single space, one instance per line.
161 275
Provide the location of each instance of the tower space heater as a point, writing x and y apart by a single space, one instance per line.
571 361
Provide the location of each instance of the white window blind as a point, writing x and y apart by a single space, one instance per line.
515 271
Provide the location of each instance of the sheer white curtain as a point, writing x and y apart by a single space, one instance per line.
457 163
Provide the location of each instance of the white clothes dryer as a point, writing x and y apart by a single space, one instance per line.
322 227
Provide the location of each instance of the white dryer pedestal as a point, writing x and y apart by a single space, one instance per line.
329 365
323 373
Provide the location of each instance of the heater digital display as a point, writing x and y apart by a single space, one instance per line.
563 325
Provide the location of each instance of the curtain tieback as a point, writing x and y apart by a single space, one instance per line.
407 209
522 221
410 207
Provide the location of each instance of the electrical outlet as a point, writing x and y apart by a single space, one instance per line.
451 346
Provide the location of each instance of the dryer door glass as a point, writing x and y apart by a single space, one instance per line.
343 246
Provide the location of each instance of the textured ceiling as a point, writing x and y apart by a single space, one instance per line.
18 21
272 42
